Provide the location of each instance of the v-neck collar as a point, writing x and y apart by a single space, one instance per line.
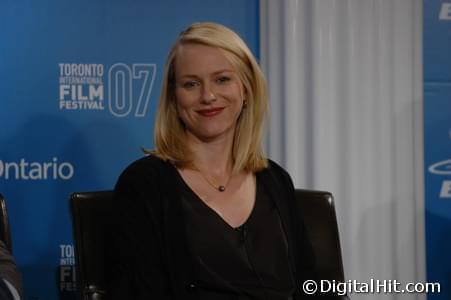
211 211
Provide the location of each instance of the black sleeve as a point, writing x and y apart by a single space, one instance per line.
8 269
301 248
5 293
138 263
306 258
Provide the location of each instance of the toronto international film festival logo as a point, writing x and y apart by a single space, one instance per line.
122 89
67 276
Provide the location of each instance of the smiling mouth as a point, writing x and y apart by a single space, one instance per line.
210 112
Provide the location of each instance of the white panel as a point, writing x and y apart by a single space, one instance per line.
346 80
293 83
272 43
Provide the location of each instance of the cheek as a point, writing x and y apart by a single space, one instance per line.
182 114
181 102
241 91
183 108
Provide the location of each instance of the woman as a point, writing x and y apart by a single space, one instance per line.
206 215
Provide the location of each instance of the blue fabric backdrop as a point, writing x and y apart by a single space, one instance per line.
79 84
437 142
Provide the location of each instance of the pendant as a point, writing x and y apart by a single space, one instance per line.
221 188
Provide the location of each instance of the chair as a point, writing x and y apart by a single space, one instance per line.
5 233
90 214
90 211
321 225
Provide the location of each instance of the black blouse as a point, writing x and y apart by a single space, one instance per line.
248 262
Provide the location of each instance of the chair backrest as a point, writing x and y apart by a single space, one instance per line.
91 213
321 225
5 233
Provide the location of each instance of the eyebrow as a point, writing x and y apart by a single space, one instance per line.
214 73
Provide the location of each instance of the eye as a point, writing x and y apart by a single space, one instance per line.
191 84
223 79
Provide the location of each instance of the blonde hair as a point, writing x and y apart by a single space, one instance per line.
169 132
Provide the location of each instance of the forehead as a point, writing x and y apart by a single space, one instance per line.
199 59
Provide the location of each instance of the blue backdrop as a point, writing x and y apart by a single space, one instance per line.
437 142
79 84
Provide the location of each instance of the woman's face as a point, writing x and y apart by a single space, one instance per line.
208 92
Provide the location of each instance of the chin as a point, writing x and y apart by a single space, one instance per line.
209 132
210 135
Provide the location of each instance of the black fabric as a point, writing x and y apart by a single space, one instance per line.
250 260
9 270
150 256
5 293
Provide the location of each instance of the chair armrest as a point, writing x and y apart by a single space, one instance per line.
93 293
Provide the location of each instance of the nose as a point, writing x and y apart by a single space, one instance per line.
208 94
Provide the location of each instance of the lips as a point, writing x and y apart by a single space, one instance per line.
210 112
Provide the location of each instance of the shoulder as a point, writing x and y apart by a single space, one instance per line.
144 176
142 187
146 167
146 164
277 172
275 167
277 178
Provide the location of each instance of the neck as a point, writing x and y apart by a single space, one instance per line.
213 157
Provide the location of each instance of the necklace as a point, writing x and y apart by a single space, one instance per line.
221 188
